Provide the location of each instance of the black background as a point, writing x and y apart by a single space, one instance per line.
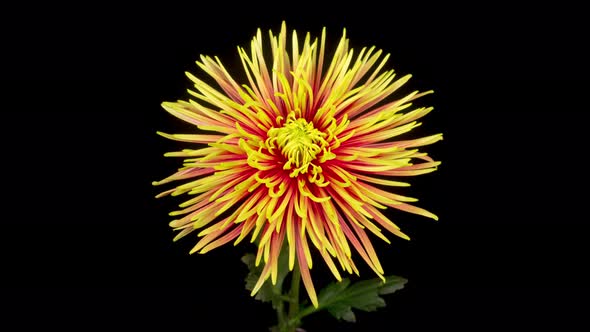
85 245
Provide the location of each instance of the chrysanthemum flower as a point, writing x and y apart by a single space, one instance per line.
298 154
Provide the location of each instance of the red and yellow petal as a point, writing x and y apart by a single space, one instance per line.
302 151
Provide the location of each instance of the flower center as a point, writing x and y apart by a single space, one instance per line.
300 143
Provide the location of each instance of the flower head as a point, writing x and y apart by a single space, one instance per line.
299 155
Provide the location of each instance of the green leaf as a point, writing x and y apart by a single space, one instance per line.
342 312
331 291
339 298
265 294
268 292
392 284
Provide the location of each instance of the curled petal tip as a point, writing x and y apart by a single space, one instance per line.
295 152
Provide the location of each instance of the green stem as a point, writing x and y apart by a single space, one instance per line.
294 293
286 323
305 312
281 315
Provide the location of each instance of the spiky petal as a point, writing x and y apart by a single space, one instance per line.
300 153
